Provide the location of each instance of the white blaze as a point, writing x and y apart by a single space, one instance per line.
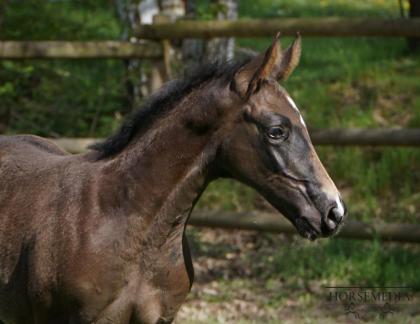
339 204
292 103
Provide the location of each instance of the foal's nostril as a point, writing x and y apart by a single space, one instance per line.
333 218
335 215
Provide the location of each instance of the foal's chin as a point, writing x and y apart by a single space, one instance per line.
311 231
306 229
305 226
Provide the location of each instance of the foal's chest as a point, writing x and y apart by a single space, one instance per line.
148 300
150 290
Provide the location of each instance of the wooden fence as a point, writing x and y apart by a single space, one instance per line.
18 50
277 223
326 26
337 137
248 28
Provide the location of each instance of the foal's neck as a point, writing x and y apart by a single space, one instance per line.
162 173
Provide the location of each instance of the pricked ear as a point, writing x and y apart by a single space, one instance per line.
290 60
248 79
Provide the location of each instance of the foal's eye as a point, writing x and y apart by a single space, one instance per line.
277 133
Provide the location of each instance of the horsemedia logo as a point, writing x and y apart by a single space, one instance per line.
360 302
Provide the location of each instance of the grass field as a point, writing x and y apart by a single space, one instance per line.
245 277
248 277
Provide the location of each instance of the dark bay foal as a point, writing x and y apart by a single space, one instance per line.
99 237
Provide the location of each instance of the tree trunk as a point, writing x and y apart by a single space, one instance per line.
140 81
132 13
414 42
169 11
173 9
197 51
222 49
192 49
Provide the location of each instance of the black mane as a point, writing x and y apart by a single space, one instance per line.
161 102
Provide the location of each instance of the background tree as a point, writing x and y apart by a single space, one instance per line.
144 78
414 43
196 51
131 13
222 49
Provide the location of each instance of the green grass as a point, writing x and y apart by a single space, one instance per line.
287 278
339 261
332 261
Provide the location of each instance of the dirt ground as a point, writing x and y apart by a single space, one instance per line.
233 284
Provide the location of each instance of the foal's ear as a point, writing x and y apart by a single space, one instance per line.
248 79
289 61
271 64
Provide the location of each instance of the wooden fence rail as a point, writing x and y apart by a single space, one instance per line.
78 50
322 26
248 28
367 137
276 223
338 137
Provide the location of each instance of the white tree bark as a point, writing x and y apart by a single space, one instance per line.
222 49
173 9
141 82
197 51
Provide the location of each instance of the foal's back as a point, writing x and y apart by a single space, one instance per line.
24 155
27 159
27 144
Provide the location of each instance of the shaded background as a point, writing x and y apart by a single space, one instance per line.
341 82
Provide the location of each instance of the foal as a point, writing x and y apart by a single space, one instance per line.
99 237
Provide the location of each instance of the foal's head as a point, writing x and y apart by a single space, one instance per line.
267 145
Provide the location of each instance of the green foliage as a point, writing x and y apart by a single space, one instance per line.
60 98
228 194
207 10
308 8
59 20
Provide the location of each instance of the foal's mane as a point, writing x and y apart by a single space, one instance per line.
163 101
